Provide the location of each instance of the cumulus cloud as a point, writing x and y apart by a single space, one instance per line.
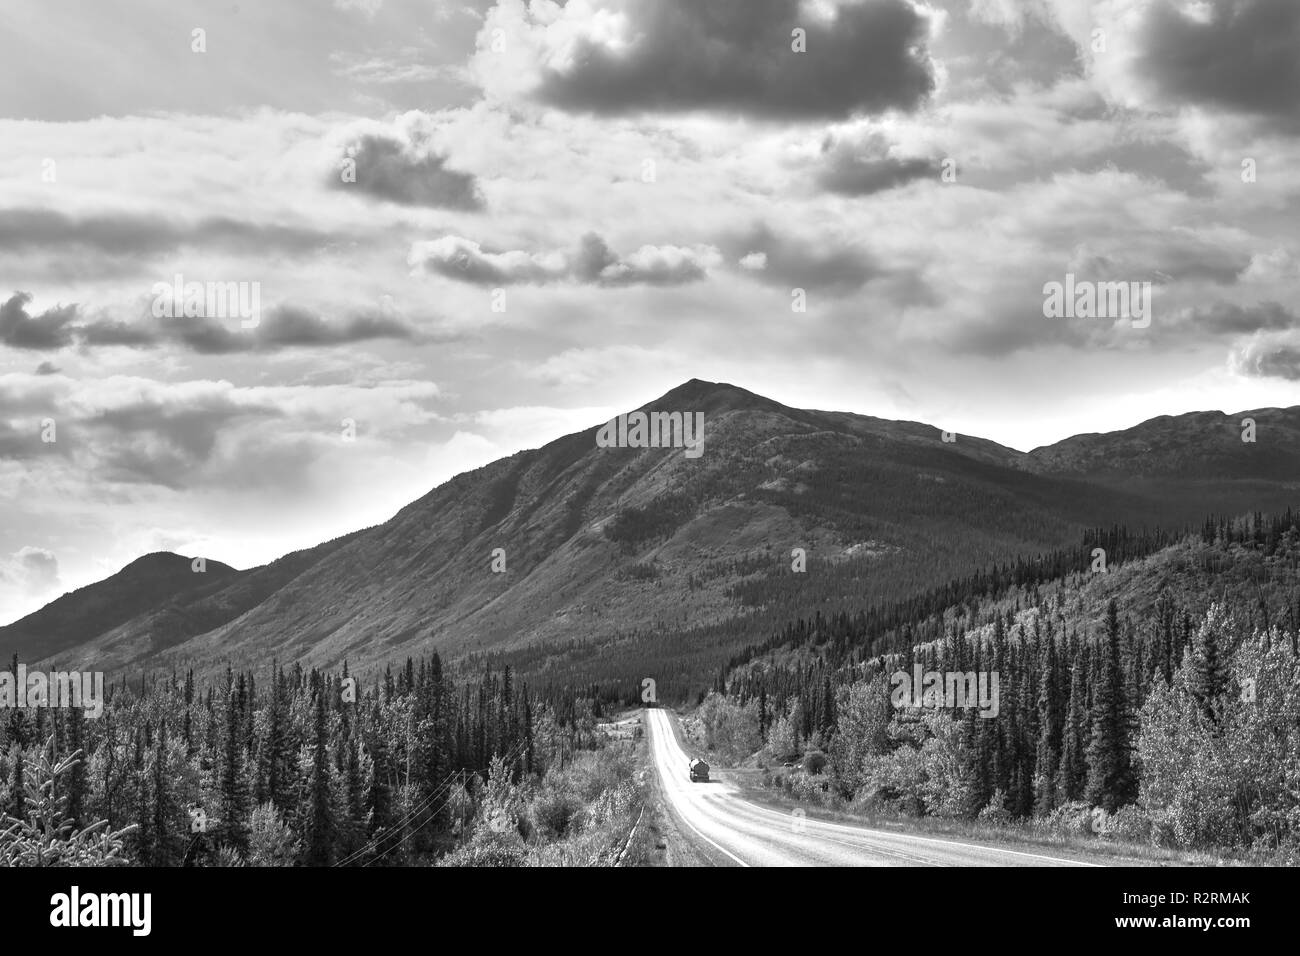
401 164
1225 318
1253 327
34 570
133 431
869 164
285 326
1230 56
628 56
366 7
592 263
21 330
809 262
1268 354
1011 14
1240 55
122 233
1274 265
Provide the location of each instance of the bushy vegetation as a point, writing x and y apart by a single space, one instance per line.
1163 722
312 769
581 814
40 831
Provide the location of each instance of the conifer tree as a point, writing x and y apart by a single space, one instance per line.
17 807
233 830
1111 783
167 845
320 813
77 784
1049 732
1208 677
379 793
1074 771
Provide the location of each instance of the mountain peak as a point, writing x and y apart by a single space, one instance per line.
156 560
697 395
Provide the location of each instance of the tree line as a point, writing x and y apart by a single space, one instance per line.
302 767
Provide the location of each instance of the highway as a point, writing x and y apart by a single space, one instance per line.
729 830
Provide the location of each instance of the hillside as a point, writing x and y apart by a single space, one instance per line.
1155 702
141 586
619 551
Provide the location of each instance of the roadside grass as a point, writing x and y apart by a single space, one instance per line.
1113 852
588 812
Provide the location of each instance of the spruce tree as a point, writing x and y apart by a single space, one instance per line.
379 793
78 785
233 829
1073 770
1208 677
320 813
17 806
1045 757
1111 782
167 839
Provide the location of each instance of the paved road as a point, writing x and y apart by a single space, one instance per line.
732 831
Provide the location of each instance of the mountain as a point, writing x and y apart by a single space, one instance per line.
622 553
139 587
1196 447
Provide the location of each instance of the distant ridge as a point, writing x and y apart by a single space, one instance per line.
623 548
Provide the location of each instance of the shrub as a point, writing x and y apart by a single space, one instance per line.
488 848
270 841
1130 824
44 836
553 812
995 811
814 762
1070 819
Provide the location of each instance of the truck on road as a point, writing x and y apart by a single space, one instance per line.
699 771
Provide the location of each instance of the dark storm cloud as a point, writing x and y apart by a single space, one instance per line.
1245 57
866 166
280 328
127 233
1224 318
688 55
797 263
21 330
390 169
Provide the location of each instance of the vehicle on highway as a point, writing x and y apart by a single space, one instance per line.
699 771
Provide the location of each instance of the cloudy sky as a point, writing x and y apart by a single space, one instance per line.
475 226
